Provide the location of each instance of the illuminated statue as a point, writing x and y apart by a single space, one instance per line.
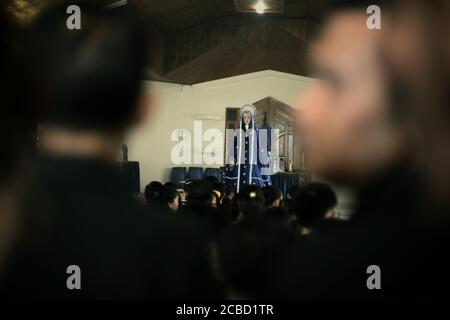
250 155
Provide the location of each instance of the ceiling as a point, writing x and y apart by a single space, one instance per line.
202 40
177 15
258 46
212 39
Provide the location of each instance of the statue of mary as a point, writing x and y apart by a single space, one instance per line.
249 156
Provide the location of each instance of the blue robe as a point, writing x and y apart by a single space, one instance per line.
247 158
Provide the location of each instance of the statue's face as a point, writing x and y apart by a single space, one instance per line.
247 117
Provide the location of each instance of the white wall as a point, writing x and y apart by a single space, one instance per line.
177 105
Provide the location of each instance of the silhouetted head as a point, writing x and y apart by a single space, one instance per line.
272 196
200 192
170 197
311 203
250 201
91 78
153 192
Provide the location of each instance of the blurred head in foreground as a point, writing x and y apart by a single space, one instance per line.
91 77
350 133
418 54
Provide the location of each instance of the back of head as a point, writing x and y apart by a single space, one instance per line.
170 185
168 193
153 191
200 192
308 207
271 194
326 195
250 201
91 77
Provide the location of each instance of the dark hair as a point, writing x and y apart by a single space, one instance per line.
153 191
307 207
250 201
170 185
311 202
326 195
168 193
91 78
271 194
200 192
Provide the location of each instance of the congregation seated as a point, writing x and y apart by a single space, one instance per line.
198 206
308 205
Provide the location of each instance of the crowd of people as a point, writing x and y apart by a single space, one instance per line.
210 199
377 119
246 233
